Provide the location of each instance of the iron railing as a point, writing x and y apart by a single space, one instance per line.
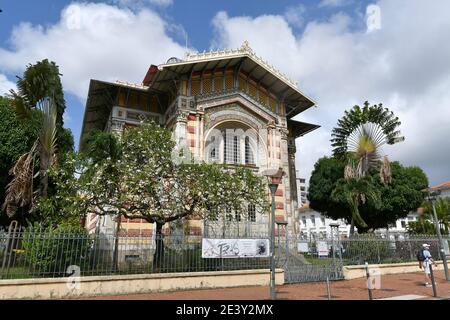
25 254
39 253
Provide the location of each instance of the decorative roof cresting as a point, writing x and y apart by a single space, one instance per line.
244 49
131 85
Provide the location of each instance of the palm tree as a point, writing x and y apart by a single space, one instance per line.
358 138
20 191
40 88
442 207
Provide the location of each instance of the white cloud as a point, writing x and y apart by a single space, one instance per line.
93 41
295 15
5 85
404 65
162 3
334 3
138 4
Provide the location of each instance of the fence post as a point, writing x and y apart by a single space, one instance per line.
433 284
410 250
328 288
369 284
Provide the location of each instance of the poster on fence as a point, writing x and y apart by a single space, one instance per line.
322 249
302 247
235 248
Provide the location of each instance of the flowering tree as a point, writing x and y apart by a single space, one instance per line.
143 182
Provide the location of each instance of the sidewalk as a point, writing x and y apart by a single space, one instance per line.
396 285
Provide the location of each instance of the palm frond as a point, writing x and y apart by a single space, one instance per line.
385 120
47 135
19 192
20 106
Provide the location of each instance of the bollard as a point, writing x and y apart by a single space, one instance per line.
369 284
433 284
328 288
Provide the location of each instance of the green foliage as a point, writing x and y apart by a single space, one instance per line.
63 205
39 93
65 143
101 145
354 192
40 80
16 138
398 198
421 227
327 172
52 250
367 249
442 207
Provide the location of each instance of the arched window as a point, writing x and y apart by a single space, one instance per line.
214 152
232 143
249 159
251 213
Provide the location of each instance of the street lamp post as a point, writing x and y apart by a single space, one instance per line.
335 226
274 177
432 198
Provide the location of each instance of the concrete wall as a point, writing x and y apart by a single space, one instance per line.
359 271
57 288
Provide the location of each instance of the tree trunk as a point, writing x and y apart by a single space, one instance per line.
43 176
116 244
159 251
352 227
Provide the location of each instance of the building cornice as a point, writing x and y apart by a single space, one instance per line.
244 50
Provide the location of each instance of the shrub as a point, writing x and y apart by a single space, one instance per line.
361 249
52 250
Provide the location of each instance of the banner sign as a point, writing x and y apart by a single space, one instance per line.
302 247
322 248
235 248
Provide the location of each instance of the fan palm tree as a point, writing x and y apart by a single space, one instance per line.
442 207
20 191
358 138
39 88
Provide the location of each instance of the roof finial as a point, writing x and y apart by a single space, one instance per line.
245 46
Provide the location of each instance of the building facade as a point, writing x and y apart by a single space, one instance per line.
225 107
302 191
314 225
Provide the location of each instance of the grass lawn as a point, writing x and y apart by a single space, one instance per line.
15 273
319 261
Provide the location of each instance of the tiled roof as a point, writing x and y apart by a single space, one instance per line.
442 186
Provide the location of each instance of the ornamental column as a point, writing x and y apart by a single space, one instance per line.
286 160
293 186
179 129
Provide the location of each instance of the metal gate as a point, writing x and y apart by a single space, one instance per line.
304 261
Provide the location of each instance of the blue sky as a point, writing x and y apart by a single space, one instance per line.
324 45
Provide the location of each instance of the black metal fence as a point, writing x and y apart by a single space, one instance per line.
33 254
25 254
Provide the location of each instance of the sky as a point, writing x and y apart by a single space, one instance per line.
341 53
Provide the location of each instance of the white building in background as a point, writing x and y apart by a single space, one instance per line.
315 225
302 190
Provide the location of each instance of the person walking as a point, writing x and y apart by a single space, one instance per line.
425 260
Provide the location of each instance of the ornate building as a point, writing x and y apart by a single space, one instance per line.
233 92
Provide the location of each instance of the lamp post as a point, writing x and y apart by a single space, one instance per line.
335 226
432 198
274 179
